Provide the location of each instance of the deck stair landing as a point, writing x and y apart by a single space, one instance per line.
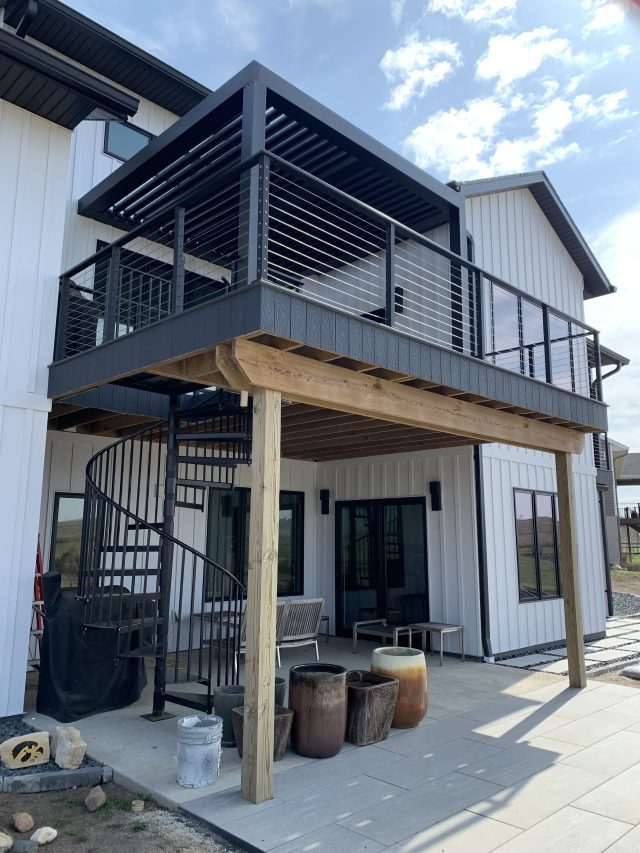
140 582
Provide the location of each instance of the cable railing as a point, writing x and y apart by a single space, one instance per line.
268 220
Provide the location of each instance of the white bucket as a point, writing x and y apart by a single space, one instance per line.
199 750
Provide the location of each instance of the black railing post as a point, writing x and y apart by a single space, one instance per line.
598 365
112 295
177 286
254 106
390 275
548 370
166 561
63 319
262 224
479 314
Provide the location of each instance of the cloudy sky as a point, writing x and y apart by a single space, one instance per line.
466 89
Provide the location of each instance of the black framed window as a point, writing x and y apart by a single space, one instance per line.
66 536
228 536
123 140
537 544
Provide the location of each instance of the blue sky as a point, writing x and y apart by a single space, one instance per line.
465 88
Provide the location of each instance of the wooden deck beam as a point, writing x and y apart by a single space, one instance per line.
315 383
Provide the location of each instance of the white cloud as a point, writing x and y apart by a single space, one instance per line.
615 316
397 8
417 66
512 57
474 141
458 140
605 16
478 12
241 21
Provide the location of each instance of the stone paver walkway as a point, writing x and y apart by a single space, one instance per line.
620 646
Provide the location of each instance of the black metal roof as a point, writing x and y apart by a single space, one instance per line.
297 129
596 282
43 84
609 358
86 42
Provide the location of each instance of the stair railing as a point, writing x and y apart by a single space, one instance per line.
128 559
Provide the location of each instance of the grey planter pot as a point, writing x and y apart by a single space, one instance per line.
231 696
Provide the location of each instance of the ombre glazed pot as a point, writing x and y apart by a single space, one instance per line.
318 699
410 668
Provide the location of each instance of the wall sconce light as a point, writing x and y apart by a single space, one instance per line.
324 501
436 496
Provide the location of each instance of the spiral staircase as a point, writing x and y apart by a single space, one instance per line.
157 595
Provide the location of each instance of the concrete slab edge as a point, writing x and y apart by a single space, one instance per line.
56 780
220 834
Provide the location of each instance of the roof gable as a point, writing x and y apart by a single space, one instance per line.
596 282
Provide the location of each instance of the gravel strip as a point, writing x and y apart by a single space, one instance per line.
625 604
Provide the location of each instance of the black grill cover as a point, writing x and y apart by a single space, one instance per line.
79 675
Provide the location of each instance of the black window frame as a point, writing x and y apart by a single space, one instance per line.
51 566
105 138
242 535
533 493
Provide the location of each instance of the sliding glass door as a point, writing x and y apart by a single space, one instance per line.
381 561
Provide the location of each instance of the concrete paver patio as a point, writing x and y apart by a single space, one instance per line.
507 758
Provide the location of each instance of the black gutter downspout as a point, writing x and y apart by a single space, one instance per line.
483 583
485 628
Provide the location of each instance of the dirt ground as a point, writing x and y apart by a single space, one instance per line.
623 581
112 827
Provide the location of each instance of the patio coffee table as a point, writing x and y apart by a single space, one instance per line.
379 628
440 628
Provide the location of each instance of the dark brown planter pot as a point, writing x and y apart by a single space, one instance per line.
318 697
371 702
282 720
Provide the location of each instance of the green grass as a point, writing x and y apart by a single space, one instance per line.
139 826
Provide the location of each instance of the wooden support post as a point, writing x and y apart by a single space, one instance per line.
569 571
257 762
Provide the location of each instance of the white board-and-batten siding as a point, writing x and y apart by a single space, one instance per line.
35 159
514 240
452 559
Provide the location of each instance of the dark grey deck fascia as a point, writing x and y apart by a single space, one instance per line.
124 401
263 307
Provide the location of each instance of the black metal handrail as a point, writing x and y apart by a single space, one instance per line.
131 565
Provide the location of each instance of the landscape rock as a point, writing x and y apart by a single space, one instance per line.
25 750
25 845
68 747
95 798
631 671
6 842
22 821
44 835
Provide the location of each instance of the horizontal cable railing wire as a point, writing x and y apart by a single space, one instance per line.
328 247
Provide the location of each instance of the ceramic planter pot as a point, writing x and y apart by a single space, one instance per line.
318 698
231 696
283 718
371 702
410 668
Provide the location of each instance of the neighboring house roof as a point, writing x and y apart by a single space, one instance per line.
609 357
596 282
629 470
84 41
43 84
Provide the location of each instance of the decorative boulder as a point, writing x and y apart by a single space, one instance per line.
68 747
6 841
95 799
45 835
25 750
22 821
